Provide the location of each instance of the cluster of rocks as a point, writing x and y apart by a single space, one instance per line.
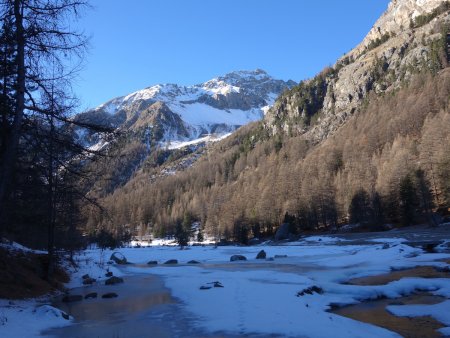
91 295
261 255
309 291
172 262
87 280
211 285
121 259
116 257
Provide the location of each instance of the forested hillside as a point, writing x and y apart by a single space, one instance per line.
365 141
389 163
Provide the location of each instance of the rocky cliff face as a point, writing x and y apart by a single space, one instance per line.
396 20
406 39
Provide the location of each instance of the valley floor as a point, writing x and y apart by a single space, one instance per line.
293 292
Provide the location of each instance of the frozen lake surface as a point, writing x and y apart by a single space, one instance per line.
288 294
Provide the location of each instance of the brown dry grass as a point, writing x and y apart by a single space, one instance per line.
22 275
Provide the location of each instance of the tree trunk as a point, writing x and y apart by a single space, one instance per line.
9 158
51 204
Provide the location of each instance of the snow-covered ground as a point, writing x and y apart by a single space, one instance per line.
205 139
260 296
28 318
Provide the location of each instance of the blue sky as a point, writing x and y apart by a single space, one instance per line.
138 43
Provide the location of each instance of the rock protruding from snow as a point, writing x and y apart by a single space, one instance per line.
171 262
113 280
91 295
261 255
235 258
118 258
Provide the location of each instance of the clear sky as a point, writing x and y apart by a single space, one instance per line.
139 43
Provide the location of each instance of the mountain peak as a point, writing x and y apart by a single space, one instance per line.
238 78
396 19
219 105
248 73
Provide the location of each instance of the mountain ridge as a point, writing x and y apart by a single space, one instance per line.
219 105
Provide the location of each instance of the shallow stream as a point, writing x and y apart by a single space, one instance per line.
143 308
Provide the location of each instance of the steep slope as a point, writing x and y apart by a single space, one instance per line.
406 39
170 112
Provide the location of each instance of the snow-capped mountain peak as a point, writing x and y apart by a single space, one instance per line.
219 105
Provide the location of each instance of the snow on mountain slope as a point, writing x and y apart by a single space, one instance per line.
185 113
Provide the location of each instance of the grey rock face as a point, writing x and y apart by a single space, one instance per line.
373 66
396 19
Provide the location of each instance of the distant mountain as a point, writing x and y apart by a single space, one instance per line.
172 114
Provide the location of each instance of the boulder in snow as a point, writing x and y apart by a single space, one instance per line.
51 311
91 295
89 281
261 255
237 258
217 284
171 261
118 258
113 280
193 262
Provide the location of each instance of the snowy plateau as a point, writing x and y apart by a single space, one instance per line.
171 114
